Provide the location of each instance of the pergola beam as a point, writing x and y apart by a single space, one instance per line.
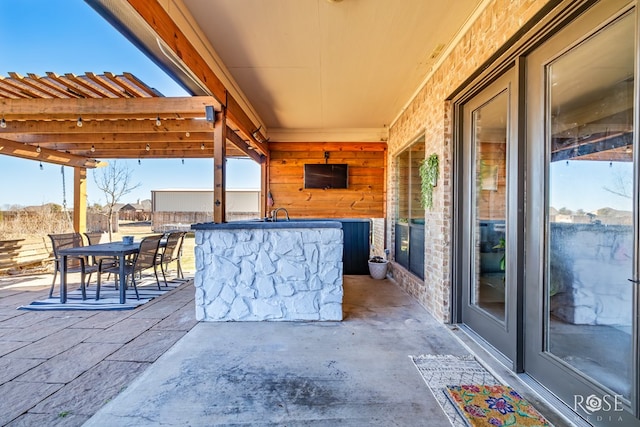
46 126
105 108
46 155
66 141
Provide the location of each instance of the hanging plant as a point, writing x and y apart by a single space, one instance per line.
428 179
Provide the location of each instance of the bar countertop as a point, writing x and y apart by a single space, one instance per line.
259 224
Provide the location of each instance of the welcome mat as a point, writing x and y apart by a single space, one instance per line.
494 405
109 297
440 372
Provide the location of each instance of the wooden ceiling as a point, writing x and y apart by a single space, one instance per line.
78 120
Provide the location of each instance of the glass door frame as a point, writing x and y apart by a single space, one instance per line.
509 341
545 368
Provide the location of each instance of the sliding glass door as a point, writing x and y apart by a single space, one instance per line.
581 301
489 150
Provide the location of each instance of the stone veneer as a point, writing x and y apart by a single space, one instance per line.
289 273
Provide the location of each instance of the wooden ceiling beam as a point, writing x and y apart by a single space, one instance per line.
111 138
243 146
166 29
105 126
162 24
106 108
141 146
59 91
31 85
158 154
46 155
93 90
72 87
143 87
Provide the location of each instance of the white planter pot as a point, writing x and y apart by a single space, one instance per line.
378 270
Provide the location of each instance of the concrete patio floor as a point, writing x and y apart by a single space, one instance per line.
156 365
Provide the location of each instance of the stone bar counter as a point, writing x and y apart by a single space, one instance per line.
275 271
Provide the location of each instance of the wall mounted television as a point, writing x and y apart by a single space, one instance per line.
326 175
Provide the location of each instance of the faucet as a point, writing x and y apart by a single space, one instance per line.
274 214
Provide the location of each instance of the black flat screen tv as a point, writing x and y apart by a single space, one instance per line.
325 175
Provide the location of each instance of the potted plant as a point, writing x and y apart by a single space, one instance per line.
378 267
428 170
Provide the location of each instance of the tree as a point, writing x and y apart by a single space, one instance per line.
114 181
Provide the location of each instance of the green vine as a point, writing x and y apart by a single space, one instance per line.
429 169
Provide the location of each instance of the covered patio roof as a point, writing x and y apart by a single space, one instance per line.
77 120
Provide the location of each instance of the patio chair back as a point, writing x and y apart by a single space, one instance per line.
172 252
76 264
66 241
146 257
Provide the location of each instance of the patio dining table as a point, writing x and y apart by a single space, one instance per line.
113 249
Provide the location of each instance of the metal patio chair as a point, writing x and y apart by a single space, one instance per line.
75 264
144 259
172 252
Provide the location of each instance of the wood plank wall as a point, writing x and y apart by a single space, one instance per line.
364 197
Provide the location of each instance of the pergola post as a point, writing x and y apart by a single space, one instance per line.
80 199
219 165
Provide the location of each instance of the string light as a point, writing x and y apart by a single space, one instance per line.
202 146
38 149
93 148
183 161
158 122
148 147
79 122
139 162
187 134
41 167
3 123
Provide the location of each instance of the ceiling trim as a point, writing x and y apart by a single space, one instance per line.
323 135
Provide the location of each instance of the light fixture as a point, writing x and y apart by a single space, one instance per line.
38 149
202 146
148 147
3 123
93 148
158 122
187 134
41 167
79 122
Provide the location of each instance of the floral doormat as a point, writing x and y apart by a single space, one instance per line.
493 405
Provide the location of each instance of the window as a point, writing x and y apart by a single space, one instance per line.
409 237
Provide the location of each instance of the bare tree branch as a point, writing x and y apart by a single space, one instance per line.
115 182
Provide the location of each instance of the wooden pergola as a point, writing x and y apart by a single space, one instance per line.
75 121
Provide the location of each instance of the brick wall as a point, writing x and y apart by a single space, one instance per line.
430 113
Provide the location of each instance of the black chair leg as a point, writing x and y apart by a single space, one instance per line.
55 274
155 271
98 282
133 280
164 276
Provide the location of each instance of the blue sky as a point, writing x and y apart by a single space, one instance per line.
70 37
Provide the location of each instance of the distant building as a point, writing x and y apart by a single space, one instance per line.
179 208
